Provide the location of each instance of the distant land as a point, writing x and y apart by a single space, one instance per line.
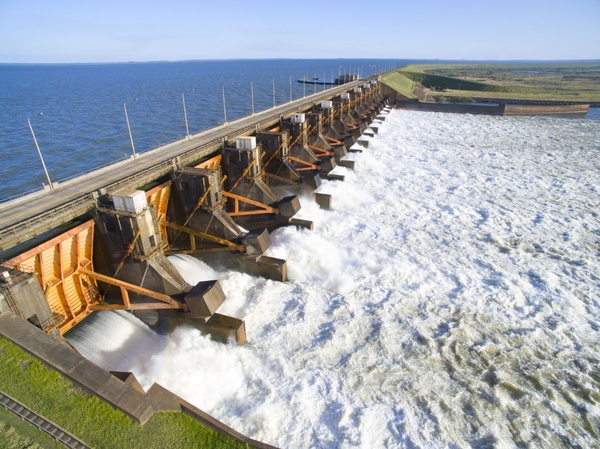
560 82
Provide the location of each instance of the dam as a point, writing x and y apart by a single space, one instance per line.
426 304
99 242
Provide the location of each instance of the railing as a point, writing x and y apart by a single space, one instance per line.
10 300
46 219
19 195
175 275
41 423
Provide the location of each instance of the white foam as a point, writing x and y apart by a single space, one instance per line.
193 270
115 340
450 299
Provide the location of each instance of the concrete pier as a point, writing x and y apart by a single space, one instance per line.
333 136
129 245
197 202
309 159
21 294
279 169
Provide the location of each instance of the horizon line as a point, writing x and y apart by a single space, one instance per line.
441 60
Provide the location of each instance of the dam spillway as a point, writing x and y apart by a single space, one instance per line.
102 247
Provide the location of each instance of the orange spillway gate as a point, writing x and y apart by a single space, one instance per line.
56 265
63 266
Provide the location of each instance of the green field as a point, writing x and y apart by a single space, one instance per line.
560 82
88 418
400 83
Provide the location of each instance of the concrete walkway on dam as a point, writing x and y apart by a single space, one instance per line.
41 211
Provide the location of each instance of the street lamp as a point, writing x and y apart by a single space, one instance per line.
304 86
187 128
224 106
39 152
129 129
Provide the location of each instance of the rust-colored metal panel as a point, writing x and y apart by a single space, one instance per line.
211 164
55 264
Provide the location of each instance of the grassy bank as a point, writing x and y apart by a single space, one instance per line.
568 82
85 416
400 83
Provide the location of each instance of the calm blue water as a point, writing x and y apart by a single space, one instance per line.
83 124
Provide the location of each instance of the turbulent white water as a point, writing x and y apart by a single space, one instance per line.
451 300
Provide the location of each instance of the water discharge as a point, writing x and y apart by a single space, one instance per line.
451 300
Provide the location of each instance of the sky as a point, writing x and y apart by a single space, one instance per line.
83 31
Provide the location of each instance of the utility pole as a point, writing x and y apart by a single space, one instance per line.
187 129
224 107
129 129
40 153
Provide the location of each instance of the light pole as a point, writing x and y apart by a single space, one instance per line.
39 152
224 106
187 129
304 87
129 129
252 95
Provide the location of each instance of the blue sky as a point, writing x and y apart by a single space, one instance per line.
146 30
